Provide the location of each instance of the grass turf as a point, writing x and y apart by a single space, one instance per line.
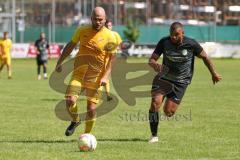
207 126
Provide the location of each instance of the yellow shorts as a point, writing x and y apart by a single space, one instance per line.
87 81
5 60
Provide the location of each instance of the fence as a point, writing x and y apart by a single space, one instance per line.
148 35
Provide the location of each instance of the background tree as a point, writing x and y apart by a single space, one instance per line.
132 31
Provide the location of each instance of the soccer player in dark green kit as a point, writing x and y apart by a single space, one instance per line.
42 55
178 53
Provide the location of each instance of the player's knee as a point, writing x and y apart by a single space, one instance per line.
70 101
91 109
155 104
169 112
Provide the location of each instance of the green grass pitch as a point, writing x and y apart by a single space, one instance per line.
30 130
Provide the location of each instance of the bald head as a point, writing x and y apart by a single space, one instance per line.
98 18
98 11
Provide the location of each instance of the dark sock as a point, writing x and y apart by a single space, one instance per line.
153 121
38 69
44 69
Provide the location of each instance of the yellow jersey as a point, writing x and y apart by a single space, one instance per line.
118 38
6 46
92 51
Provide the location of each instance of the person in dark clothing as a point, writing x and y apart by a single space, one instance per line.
42 55
178 53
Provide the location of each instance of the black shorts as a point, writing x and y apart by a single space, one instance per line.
41 61
169 89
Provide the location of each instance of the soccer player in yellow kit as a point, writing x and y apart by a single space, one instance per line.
5 55
92 67
119 41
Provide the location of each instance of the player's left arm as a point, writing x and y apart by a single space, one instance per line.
112 59
207 61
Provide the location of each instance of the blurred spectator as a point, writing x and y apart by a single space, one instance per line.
42 55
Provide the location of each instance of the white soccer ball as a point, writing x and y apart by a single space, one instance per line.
87 142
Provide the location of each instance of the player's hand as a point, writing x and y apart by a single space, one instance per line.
157 67
58 68
216 78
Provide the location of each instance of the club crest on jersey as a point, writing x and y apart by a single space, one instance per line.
184 52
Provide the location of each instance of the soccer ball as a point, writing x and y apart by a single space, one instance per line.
87 142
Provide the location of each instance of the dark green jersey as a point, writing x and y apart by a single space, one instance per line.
179 58
42 47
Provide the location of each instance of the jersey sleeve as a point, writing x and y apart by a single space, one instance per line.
197 48
118 37
159 48
112 43
76 35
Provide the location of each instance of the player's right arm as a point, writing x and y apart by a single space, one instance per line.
155 56
153 62
66 52
68 49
